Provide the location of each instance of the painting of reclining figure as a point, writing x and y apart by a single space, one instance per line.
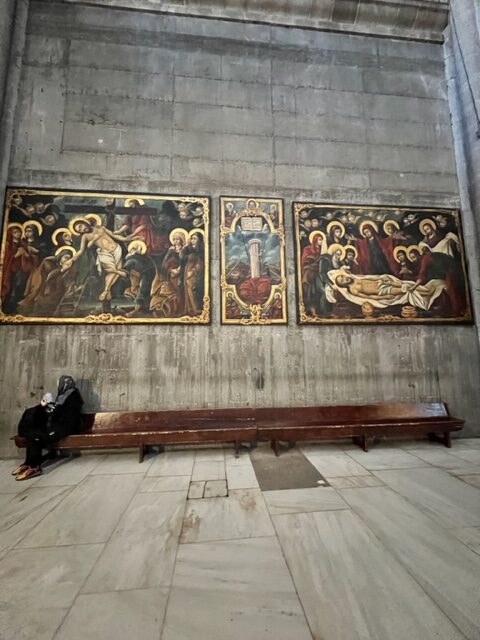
104 258
379 265
253 279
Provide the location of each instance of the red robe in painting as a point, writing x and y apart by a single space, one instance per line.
12 263
371 256
388 244
156 243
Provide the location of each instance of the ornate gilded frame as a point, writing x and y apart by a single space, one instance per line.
273 309
106 316
306 318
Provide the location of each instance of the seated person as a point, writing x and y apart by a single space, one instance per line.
47 423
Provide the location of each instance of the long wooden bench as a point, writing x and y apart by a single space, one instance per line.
122 429
361 422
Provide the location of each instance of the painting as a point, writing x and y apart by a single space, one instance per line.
253 280
374 264
81 257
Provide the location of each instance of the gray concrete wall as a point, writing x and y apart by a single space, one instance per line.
140 102
462 57
6 11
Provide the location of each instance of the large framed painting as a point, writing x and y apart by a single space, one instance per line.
253 278
81 257
373 264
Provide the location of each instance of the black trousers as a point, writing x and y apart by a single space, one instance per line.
34 428
37 441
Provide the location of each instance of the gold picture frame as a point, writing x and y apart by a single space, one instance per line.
253 273
379 265
75 257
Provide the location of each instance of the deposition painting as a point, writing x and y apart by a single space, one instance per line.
253 280
379 264
104 257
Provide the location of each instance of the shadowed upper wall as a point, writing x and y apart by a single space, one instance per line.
135 101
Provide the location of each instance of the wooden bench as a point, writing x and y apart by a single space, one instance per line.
360 422
140 429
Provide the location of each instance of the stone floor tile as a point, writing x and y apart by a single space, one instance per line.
8 484
89 513
233 590
333 465
242 515
124 463
303 500
209 470
242 460
442 458
386 458
196 489
22 512
241 477
322 447
473 480
471 456
354 481
445 499
335 559
215 453
172 463
215 489
141 551
165 483
467 442
446 569
38 587
116 616
69 471
469 536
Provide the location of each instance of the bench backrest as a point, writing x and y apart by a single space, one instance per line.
348 413
128 421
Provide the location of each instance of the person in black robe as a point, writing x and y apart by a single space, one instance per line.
47 423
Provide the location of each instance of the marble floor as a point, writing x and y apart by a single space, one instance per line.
102 547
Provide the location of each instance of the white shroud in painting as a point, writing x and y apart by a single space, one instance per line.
391 290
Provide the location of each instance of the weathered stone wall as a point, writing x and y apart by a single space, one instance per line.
113 99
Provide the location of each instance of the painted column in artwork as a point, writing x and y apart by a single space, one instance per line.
254 251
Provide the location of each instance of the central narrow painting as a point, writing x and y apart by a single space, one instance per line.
104 258
253 280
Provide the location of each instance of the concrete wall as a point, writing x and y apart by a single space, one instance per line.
219 108
462 56
7 11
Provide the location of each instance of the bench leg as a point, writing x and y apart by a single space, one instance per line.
141 452
275 447
237 448
445 438
363 441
